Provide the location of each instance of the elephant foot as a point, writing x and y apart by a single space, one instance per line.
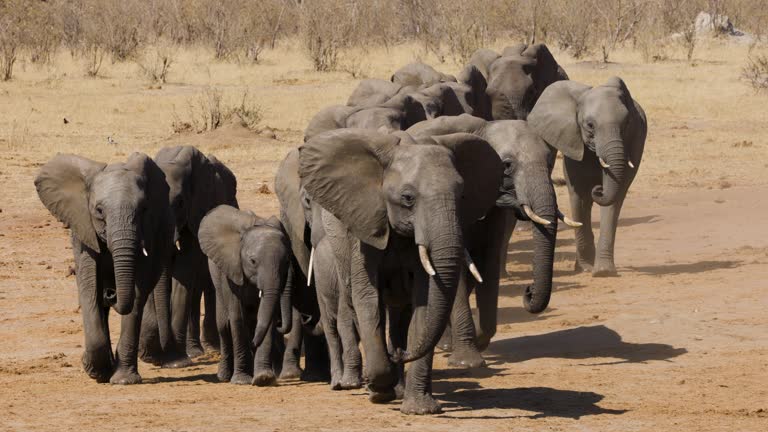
381 397
351 380
290 372
604 270
400 390
195 350
176 362
314 375
335 383
224 374
420 404
466 358
125 376
98 365
445 343
582 267
210 347
241 378
264 379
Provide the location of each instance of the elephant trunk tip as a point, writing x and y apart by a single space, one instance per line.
599 197
533 303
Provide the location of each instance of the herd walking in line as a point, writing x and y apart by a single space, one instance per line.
397 206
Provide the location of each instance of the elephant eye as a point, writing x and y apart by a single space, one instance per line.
590 124
407 199
99 211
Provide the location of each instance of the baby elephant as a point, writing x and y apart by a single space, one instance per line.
249 260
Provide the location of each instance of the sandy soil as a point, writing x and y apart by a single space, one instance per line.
677 342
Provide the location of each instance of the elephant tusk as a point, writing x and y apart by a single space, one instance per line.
144 249
603 163
568 221
178 245
472 267
424 258
534 217
631 165
309 269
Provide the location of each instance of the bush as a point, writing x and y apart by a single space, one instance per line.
756 72
13 34
210 111
155 62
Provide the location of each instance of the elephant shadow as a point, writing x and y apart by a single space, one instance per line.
685 268
543 402
522 279
208 378
580 343
517 314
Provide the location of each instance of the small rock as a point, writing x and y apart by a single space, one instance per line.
681 382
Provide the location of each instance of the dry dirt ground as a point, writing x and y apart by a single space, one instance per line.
677 342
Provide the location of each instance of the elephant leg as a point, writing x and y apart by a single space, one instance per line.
317 366
369 309
465 353
127 354
181 301
609 220
328 300
226 360
418 397
350 341
292 354
263 372
241 343
399 320
194 347
97 358
150 350
580 197
509 228
210 333
487 293
446 341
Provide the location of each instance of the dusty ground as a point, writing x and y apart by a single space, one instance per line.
678 342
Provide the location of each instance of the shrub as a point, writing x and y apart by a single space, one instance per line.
13 34
155 62
210 111
756 72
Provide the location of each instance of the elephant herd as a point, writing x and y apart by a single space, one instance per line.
397 206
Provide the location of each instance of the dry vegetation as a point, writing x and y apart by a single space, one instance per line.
676 343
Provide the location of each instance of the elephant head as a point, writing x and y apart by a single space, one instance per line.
252 251
605 119
518 77
197 184
120 209
417 73
376 183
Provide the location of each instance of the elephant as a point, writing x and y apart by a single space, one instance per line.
308 239
198 183
249 260
120 220
417 73
517 77
526 194
613 127
401 205
373 92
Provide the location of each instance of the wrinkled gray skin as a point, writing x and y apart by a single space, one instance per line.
416 74
373 92
197 184
115 212
305 229
528 163
249 260
516 78
401 195
586 123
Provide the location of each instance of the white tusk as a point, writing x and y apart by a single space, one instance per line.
568 221
178 245
603 164
472 267
309 270
424 257
631 165
144 251
534 217
261 293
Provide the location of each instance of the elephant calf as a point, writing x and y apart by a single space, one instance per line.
249 261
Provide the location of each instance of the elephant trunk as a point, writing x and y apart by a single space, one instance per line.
269 284
123 244
613 176
536 297
442 236
286 302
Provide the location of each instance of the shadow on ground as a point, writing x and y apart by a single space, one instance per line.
685 268
543 402
579 343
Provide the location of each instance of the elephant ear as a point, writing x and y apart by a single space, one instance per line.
554 118
414 110
62 185
637 127
156 219
226 182
289 194
342 171
220 233
514 50
547 71
480 167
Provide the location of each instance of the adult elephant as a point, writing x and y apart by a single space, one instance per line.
417 73
526 194
517 77
601 132
373 92
120 219
403 209
198 183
